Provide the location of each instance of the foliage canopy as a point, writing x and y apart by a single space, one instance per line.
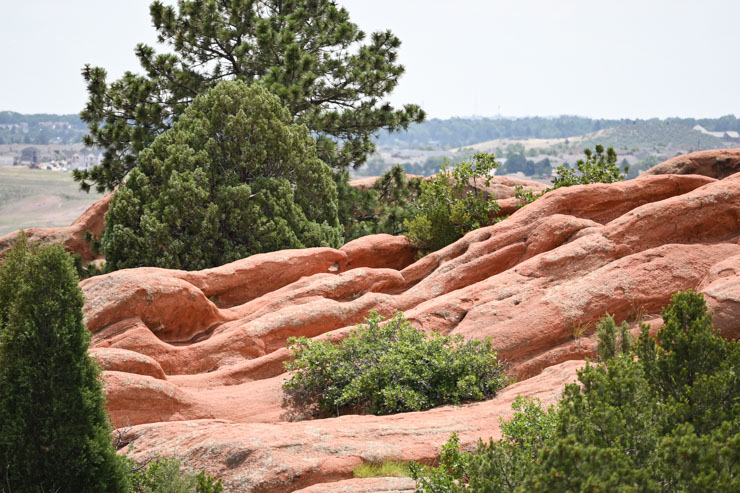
308 52
390 368
54 432
382 208
667 420
233 177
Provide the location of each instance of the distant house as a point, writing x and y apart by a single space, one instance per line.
86 158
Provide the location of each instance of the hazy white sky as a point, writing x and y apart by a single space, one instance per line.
598 58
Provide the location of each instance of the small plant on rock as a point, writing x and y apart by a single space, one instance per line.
390 368
599 167
452 203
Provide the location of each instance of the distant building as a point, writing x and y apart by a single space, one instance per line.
30 156
86 158
725 134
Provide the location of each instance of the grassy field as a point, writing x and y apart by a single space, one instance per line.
31 198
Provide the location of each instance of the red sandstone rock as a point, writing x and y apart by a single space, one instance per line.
72 237
113 359
530 283
364 485
503 187
500 187
495 278
172 309
717 163
276 457
380 251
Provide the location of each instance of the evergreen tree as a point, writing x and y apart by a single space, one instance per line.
308 52
54 432
232 178
668 420
382 208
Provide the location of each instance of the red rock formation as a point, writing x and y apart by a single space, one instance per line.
364 485
193 360
718 163
254 455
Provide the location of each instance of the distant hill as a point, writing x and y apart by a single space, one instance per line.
46 128
653 135
40 129
458 132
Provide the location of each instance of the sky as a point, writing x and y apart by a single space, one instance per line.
595 58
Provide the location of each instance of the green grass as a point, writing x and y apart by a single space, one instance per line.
31 198
386 469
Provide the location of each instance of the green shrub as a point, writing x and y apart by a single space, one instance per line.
668 420
54 431
233 177
164 475
597 168
451 204
390 368
613 340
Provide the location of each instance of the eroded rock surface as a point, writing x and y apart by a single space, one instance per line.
194 360
717 163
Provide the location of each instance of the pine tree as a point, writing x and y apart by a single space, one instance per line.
307 52
54 432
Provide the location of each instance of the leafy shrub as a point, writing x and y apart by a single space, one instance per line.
390 368
164 475
233 177
668 420
597 168
54 432
451 204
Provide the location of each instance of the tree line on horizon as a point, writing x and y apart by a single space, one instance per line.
435 132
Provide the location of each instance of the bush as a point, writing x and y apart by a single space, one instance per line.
164 475
668 420
54 432
383 369
232 178
447 208
497 465
597 168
